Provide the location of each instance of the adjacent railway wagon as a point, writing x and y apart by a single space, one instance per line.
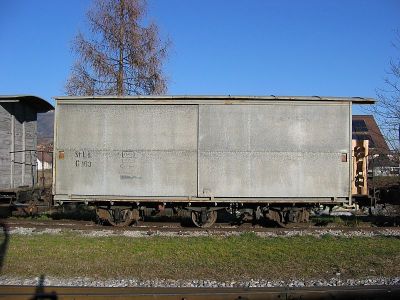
271 157
18 139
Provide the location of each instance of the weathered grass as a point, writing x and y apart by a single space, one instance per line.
230 258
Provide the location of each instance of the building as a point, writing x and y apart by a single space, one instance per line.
44 156
18 139
366 128
44 161
382 161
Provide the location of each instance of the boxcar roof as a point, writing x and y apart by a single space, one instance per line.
39 104
202 99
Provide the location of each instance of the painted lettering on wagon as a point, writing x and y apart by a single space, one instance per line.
127 160
83 159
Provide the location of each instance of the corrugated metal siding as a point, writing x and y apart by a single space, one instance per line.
30 144
24 139
5 145
19 114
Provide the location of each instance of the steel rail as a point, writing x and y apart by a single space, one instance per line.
66 293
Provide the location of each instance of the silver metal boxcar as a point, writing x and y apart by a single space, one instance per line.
203 148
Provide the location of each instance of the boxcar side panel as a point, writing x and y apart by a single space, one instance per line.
30 144
5 145
19 112
126 150
18 135
280 150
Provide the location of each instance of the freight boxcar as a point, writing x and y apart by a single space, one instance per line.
18 139
268 156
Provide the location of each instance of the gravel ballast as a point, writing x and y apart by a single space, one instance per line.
253 283
392 232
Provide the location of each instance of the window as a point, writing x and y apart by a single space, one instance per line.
359 126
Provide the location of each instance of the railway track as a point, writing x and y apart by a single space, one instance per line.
66 293
26 226
167 225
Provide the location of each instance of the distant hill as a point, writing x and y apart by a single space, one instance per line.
45 124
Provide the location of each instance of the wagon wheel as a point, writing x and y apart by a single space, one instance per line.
122 217
204 222
275 216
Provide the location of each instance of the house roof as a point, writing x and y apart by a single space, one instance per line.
365 127
39 104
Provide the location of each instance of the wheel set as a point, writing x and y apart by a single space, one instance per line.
202 217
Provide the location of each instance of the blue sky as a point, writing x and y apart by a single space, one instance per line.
329 48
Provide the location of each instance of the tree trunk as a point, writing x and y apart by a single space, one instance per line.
120 78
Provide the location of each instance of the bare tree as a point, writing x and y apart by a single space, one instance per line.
123 57
387 110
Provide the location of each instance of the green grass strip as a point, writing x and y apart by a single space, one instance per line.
215 258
